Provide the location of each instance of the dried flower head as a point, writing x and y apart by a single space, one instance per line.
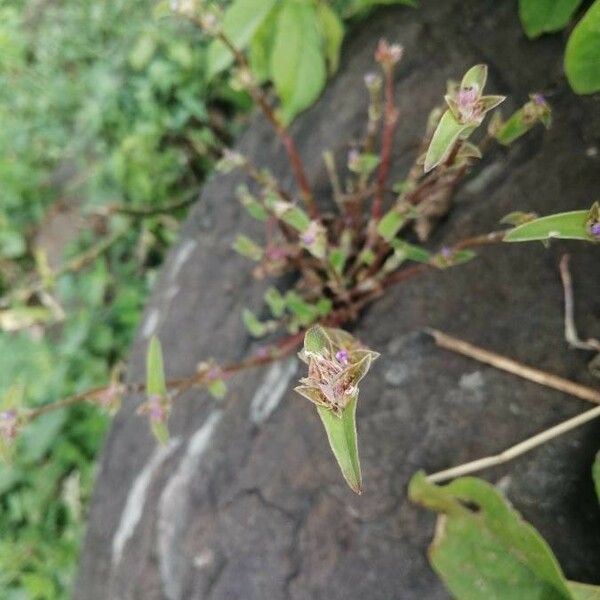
387 55
336 364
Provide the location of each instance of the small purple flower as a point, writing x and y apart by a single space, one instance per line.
8 424
342 356
595 229
538 99
467 101
309 237
213 373
446 252
156 409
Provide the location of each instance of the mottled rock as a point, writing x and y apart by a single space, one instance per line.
248 502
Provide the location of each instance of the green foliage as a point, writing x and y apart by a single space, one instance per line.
341 433
155 370
583 49
545 16
297 63
293 43
483 550
241 22
574 225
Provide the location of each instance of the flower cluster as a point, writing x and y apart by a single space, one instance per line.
467 102
336 364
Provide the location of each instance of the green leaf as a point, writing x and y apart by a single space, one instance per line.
160 432
411 252
596 474
217 389
482 547
545 16
583 591
294 216
341 433
246 247
390 224
305 312
155 371
582 57
297 63
275 302
521 121
261 47
337 259
255 327
567 226
476 77
240 22
447 133
317 341
332 30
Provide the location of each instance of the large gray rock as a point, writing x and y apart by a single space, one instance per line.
247 502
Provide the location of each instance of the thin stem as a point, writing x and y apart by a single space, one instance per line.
150 211
272 354
516 450
571 335
288 141
389 124
75 264
516 368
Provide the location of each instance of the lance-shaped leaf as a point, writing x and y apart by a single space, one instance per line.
244 246
568 226
341 433
155 371
447 133
391 223
156 390
482 547
537 110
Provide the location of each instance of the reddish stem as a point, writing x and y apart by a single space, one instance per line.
389 125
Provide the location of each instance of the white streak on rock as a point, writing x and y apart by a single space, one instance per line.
174 505
271 391
473 382
150 323
134 506
184 252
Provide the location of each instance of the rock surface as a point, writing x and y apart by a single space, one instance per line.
246 502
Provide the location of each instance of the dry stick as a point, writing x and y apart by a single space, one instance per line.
571 335
517 450
516 368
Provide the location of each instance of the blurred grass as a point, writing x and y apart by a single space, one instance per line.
99 104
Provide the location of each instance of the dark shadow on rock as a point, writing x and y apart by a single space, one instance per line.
247 502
